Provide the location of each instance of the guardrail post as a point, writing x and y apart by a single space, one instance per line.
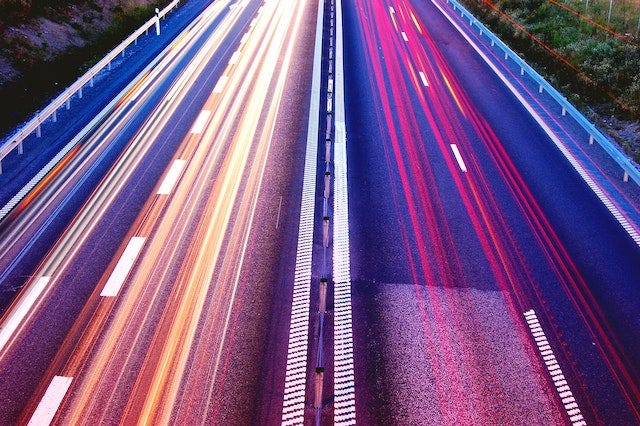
80 92
625 177
54 117
564 111
20 148
68 103
590 139
91 82
157 21
521 70
540 89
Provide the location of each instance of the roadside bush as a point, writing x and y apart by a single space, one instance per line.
13 12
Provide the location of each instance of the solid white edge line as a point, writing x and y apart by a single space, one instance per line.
553 368
293 405
50 402
171 178
201 121
458 156
344 408
622 220
17 315
123 267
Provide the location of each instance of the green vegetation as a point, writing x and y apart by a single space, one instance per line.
579 54
32 89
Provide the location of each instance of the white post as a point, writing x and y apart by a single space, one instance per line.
609 15
157 21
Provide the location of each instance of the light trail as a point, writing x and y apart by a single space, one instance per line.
76 164
174 308
445 108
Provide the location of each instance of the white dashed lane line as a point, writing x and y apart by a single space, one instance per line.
123 267
458 156
171 177
50 402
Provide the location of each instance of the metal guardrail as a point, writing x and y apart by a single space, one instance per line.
35 124
629 168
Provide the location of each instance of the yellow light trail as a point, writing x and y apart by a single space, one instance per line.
189 269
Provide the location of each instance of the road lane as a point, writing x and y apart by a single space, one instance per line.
178 301
71 284
468 223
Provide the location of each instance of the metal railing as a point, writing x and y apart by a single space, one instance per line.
35 124
629 168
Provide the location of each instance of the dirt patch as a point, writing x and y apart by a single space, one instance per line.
46 49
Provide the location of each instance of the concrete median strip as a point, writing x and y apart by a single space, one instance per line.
297 353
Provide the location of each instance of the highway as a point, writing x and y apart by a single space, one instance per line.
170 266
467 222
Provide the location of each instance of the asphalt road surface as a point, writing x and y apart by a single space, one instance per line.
170 268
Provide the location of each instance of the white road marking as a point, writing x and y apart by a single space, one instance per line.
219 87
622 220
293 406
244 39
18 314
551 363
404 36
392 10
423 77
50 402
172 177
201 121
234 58
459 159
344 408
124 265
